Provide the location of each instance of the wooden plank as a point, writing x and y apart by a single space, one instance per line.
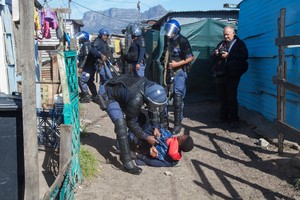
48 47
285 128
25 60
59 180
281 75
288 41
63 77
65 145
290 86
45 82
55 73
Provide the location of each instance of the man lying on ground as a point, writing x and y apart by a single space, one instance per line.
167 152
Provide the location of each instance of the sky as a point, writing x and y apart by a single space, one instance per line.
78 7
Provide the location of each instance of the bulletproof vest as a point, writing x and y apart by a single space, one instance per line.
130 82
176 51
179 48
84 52
103 47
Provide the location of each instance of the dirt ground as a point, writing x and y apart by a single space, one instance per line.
225 163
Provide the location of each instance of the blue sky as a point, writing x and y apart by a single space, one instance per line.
80 6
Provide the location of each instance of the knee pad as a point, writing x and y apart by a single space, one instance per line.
121 127
84 77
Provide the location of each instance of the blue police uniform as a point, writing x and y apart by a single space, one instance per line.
103 70
125 96
86 80
180 50
136 55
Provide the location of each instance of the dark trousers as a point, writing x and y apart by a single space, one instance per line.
90 83
227 92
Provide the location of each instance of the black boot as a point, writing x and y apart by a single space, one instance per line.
121 131
85 98
177 113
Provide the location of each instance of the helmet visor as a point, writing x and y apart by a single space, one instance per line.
171 30
155 107
80 37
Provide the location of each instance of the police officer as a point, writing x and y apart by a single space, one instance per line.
176 61
126 94
136 52
86 67
100 44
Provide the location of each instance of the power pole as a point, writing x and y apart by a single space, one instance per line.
25 61
139 9
69 6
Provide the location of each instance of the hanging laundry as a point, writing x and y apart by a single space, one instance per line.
48 14
47 33
54 23
41 16
37 25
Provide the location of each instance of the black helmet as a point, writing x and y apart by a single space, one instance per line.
156 97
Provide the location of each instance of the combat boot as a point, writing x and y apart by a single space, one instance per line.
126 159
85 98
177 113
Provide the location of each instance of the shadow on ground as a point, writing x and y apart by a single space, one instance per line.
279 167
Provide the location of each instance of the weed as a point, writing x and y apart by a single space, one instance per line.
88 163
297 183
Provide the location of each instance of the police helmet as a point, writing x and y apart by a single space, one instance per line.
135 30
103 32
82 36
156 97
172 28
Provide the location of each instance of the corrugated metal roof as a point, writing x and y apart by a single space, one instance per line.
215 14
258 28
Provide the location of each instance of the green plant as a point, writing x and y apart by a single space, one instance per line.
297 185
88 163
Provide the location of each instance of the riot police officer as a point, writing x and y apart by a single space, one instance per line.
136 51
126 95
176 58
86 67
100 43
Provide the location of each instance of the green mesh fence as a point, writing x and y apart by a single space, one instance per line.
69 83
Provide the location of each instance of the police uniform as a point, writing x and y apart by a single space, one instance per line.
136 55
86 81
180 50
104 71
125 95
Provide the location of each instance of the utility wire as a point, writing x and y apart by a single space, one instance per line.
120 1
100 13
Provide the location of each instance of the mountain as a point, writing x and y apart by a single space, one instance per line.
116 19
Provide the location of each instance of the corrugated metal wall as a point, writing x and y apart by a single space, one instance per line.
258 28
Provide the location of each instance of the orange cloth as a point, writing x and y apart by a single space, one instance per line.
173 151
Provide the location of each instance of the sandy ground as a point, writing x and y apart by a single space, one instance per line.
225 163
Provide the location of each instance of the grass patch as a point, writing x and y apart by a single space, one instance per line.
88 163
297 185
